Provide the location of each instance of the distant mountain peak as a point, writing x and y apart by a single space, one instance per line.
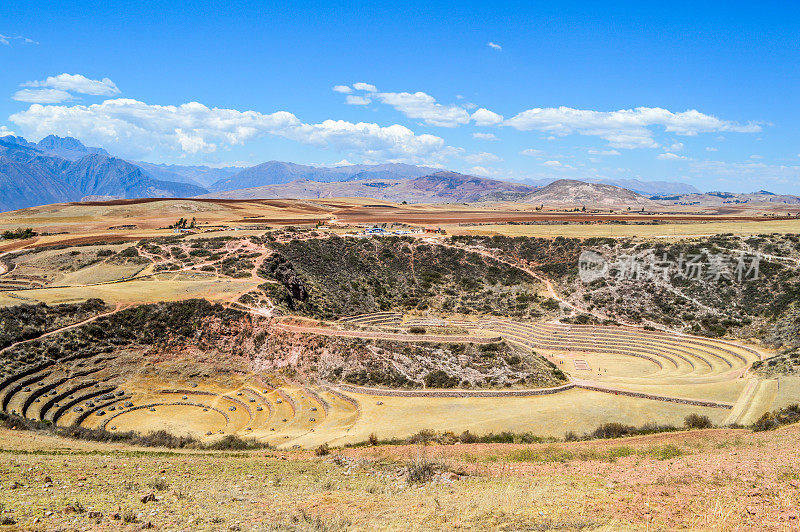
66 147
56 142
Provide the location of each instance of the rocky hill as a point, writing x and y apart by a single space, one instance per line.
568 192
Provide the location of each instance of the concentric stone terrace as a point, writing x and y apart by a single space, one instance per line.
644 369
89 394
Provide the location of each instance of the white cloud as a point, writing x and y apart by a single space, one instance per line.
424 106
553 164
756 156
133 129
7 39
344 89
711 148
77 83
485 117
480 170
353 99
531 152
678 146
482 157
494 46
669 157
603 152
484 136
4 131
42 95
627 128
361 86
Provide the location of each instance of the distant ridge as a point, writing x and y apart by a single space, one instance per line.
279 172
438 187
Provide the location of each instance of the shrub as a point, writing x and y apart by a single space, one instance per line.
440 379
612 430
467 437
421 470
696 421
322 450
231 442
373 439
19 233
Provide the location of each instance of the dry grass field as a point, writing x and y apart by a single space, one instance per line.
661 230
699 480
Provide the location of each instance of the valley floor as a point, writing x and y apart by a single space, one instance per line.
717 479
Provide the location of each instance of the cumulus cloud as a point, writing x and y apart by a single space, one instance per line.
4 131
532 152
344 89
423 106
77 83
482 158
353 99
627 128
42 95
553 164
494 46
133 129
484 136
668 156
361 86
485 117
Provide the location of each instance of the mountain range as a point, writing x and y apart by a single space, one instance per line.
436 187
62 169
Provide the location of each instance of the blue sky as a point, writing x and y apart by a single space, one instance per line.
705 94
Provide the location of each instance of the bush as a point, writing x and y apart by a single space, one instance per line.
373 439
231 442
421 470
696 421
19 234
416 330
440 379
322 450
612 430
